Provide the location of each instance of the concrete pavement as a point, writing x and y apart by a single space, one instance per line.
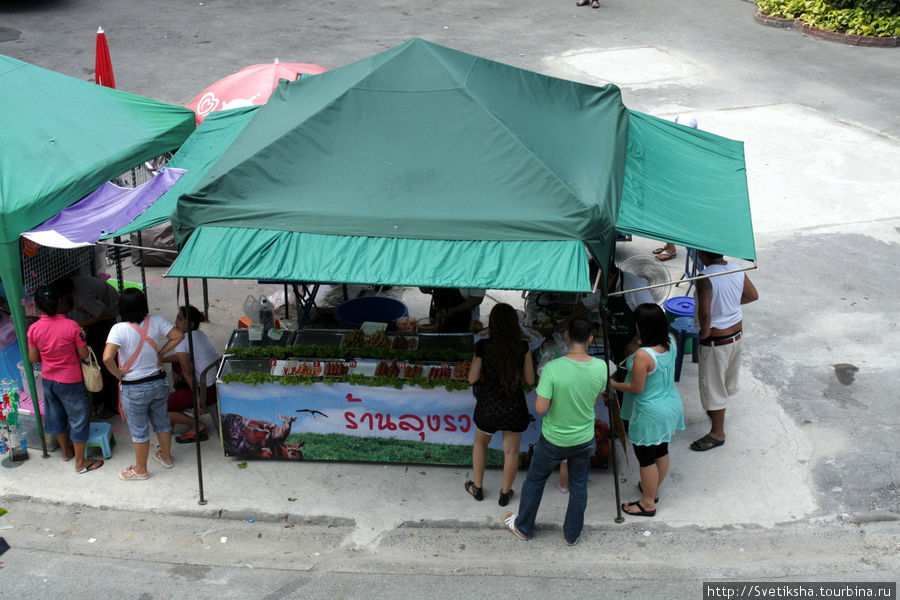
821 128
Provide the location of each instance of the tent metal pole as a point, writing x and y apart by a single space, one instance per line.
612 402
194 392
141 261
117 252
656 285
205 298
120 245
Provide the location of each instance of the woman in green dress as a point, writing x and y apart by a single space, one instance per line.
651 404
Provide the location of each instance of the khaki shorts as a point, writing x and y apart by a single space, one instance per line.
718 373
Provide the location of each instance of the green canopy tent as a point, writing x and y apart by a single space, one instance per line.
61 138
420 165
427 166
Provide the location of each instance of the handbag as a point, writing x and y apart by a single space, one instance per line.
90 371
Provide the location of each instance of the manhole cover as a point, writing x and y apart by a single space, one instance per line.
8 34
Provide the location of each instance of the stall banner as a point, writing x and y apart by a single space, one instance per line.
356 423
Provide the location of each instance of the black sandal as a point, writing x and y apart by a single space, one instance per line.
474 490
505 497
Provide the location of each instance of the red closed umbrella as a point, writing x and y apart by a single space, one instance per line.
103 71
251 86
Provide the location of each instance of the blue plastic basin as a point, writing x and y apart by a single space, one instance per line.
380 309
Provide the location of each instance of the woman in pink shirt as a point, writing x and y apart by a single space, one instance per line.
59 345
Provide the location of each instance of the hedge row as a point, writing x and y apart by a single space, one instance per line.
875 18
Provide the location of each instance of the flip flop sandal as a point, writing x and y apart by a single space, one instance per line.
562 488
664 256
91 467
157 456
130 474
505 498
707 442
659 250
641 489
474 491
643 511
188 438
510 521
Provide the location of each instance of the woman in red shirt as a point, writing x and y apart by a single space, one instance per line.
59 345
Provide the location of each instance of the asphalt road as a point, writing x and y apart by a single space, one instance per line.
79 552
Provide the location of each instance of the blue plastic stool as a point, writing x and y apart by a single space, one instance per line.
101 436
683 328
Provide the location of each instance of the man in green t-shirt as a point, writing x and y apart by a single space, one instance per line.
566 394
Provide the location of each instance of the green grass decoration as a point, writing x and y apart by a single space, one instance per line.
258 377
341 447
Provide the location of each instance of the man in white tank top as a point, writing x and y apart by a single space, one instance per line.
718 318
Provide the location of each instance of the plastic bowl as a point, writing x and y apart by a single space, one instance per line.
380 309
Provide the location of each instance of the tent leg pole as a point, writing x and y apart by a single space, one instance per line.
195 394
205 299
141 260
614 401
117 252
612 404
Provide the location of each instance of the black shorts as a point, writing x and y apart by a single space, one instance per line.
648 455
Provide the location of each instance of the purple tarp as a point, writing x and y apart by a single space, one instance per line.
109 208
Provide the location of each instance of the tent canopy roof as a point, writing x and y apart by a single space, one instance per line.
424 143
64 137
686 186
198 153
421 142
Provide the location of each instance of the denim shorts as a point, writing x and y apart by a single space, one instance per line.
144 404
67 407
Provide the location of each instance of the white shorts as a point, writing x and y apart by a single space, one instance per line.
718 373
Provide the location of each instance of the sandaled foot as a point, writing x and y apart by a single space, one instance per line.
664 256
92 466
638 509
510 521
563 489
707 442
474 491
505 497
130 474
190 438
641 489
157 456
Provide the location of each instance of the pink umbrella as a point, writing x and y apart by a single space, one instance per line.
103 71
251 86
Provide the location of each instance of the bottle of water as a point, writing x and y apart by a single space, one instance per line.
266 314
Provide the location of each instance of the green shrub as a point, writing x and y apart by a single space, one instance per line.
876 18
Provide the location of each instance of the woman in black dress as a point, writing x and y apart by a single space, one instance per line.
501 364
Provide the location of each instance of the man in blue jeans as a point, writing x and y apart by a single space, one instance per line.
567 391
